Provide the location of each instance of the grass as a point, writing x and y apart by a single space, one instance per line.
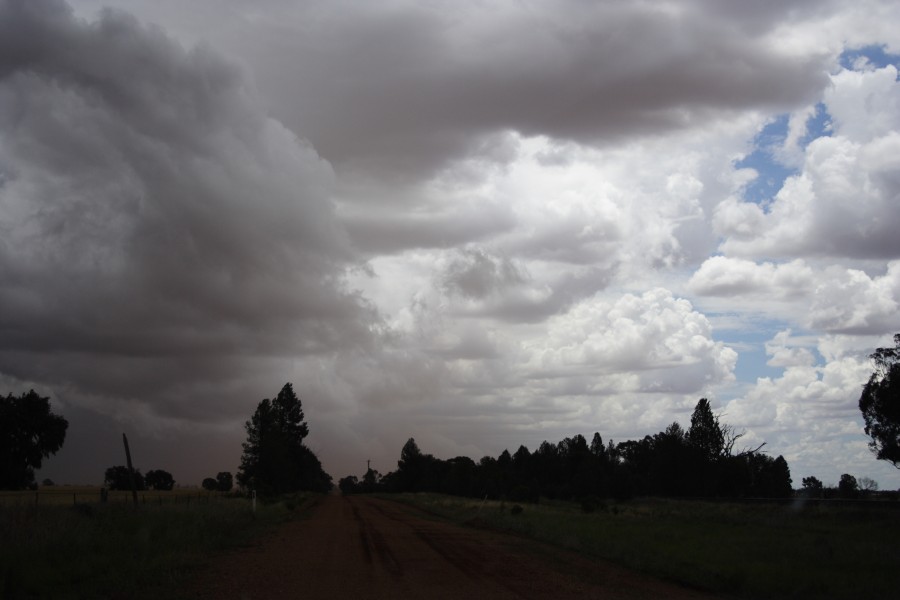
744 550
69 495
114 551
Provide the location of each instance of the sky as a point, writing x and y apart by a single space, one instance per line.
478 224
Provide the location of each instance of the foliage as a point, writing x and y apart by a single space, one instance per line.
867 485
674 462
119 478
275 460
210 485
157 479
848 486
880 404
706 435
29 433
812 487
224 481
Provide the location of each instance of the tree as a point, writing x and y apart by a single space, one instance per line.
812 487
224 481
848 487
705 434
210 485
880 404
118 478
159 480
29 433
274 460
867 485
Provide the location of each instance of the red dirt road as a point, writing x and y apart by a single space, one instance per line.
364 547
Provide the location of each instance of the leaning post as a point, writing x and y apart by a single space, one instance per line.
130 471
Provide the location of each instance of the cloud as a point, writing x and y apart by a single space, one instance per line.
723 276
810 412
651 342
842 203
407 87
159 234
832 298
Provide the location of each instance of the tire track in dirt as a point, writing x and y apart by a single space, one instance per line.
371 548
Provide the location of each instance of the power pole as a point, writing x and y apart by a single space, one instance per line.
130 471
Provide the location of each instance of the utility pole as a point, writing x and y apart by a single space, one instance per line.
130 471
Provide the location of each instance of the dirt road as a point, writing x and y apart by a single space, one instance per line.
362 547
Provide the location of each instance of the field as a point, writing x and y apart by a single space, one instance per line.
68 495
58 549
744 550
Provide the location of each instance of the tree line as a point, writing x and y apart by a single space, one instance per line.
699 461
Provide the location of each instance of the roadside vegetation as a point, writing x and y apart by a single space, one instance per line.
752 550
112 550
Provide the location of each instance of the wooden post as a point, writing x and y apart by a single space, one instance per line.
130 471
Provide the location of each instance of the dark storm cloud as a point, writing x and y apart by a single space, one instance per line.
385 233
487 285
158 232
407 88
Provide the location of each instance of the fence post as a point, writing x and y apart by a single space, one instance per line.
35 497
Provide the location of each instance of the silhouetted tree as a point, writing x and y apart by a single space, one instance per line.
224 481
275 460
118 478
812 487
29 433
210 485
670 463
706 434
411 467
159 480
867 485
880 404
349 484
848 487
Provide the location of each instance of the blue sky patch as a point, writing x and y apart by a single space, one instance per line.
771 172
876 55
818 125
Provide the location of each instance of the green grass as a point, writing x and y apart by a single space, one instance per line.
754 551
115 551
66 495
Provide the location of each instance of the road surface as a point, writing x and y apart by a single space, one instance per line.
363 547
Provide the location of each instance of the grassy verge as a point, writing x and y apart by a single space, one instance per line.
114 551
754 551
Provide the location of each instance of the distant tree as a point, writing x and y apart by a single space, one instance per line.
158 479
812 487
705 433
210 485
118 478
224 481
880 404
781 479
867 485
29 433
47 482
349 484
275 460
848 487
